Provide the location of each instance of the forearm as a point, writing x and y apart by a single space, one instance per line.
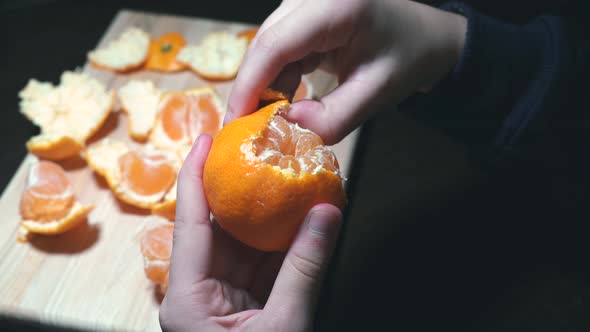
508 82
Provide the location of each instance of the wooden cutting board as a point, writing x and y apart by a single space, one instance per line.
92 277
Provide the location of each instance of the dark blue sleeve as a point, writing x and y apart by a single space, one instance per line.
509 86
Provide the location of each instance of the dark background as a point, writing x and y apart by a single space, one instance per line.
432 241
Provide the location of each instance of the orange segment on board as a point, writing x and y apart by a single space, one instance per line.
68 114
138 177
167 208
217 57
47 205
146 174
128 52
156 248
184 115
163 52
263 174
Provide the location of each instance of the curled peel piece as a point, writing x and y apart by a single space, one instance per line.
68 114
217 57
140 101
128 52
163 52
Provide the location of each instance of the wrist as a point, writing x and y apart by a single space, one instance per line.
446 33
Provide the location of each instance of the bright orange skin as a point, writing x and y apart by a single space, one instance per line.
163 51
251 200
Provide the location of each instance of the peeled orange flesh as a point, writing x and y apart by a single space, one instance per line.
68 114
156 248
140 177
48 205
183 116
263 174
167 207
128 52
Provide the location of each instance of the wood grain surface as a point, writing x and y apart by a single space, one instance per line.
92 277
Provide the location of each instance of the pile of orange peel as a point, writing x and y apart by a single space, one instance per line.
164 124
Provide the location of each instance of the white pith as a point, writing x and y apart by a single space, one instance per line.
129 50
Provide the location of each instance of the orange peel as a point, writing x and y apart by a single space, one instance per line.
217 57
126 53
140 99
68 114
139 177
163 52
184 115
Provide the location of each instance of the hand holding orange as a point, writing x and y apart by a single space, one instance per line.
264 174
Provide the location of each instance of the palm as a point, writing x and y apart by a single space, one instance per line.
239 281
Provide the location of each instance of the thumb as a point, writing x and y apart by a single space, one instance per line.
299 280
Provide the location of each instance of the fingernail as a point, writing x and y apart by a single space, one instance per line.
321 223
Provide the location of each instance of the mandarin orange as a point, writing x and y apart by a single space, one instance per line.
263 174
140 177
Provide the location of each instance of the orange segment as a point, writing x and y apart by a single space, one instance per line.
263 174
49 194
203 117
47 205
184 115
156 247
217 57
174 117
163 52
146 175
140 177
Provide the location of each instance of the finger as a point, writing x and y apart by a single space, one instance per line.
286 41
337 114
285 8
298 283
193 235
